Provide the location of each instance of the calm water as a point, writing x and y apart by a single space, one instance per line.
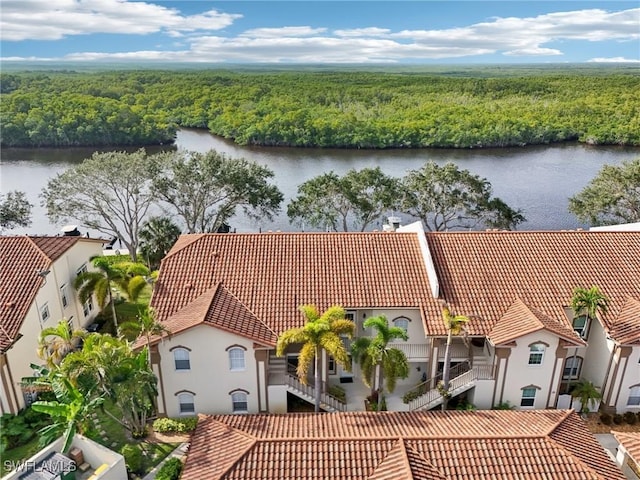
538 180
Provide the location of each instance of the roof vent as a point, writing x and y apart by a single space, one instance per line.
70 231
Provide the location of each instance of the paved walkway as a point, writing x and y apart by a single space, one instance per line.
179 452
610 445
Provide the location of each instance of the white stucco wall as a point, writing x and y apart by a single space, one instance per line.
210 377
520 374
631 377
597 356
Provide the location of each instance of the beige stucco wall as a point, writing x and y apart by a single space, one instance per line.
209 378
520 374
629 375
597 355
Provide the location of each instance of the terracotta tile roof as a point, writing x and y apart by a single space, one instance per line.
219 308
272 274
20 258
626 327
481 274
521 320
541 444
631 443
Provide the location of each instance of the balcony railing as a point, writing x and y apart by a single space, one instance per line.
413 350
457 351
326 399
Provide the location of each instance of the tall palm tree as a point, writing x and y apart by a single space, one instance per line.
56 342
134 278
320 332
455 325
375 356
145 325
99 282
587 393
589 301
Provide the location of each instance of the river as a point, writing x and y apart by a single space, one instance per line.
537 179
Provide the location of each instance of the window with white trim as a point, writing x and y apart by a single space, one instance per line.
181 359
581 326
236 359
402 323
239 402
536 354
186 404
87 307
44 313
528 397
82 269
64 295
572 367
634 397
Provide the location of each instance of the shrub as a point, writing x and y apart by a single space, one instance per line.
175 425
171 470
630 418
338 392
15 430
504 406
606 418
132 457
617 419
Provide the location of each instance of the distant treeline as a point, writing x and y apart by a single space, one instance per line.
318 109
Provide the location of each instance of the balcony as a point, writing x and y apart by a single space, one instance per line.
415 352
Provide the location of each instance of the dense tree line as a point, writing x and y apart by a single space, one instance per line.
344 109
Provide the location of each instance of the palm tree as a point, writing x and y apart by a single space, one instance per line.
56 342
454 325
587 393
320 332
135 277
145 325
98 282
375 356
589 301
157 236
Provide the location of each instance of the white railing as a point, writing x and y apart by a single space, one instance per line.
326 400
457 385
458 350
413 350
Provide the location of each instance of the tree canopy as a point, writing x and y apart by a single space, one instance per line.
206 189
445 197
613 196
157 236
15 210
344 109
355 200
109 192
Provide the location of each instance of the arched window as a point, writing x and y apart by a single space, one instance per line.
236 359
401 322
239 401
529 396
634 396
181 359
186 403
572 367
536 353
581 326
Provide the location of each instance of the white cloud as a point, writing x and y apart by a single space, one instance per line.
282 32
615 60
56 19
514 37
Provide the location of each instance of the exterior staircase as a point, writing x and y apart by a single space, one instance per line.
279 375
463 378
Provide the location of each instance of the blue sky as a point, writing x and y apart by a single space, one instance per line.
392 32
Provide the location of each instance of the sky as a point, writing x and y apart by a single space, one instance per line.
317 32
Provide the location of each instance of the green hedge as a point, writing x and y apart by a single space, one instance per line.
175 425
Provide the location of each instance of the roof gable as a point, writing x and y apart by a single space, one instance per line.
520 320
625 329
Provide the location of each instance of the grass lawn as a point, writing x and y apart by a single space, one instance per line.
23 452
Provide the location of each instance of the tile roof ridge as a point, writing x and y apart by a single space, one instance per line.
184 240
566 415
405 458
